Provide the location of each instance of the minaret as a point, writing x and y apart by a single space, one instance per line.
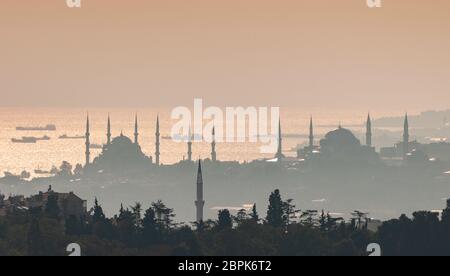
311 135
406 137
200 203
88 142
157 144
190 145
213 145
108 131
136 132
369 131
279 154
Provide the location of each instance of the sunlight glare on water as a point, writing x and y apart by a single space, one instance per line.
43 155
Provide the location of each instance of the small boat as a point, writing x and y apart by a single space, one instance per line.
43 138
25 140
39 171
45 128
65 136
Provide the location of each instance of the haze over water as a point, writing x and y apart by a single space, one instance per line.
16 157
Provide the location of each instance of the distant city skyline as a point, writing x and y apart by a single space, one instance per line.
308 54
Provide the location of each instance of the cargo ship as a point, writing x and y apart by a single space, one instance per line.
67 137
25 140
45 128
30 140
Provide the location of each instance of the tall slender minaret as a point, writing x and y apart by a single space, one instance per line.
406 137
136 132
213 145
88 142
279 154
311 135
108 131
200 202
369 131
157 144
190 145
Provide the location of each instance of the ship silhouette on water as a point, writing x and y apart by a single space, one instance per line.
67 137
48 127
30 140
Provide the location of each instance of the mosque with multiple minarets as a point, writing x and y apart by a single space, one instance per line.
339 143
122 150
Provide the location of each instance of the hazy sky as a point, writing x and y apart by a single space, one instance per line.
322 53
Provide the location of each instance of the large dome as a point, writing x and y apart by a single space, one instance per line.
121 140
342 137
340 140
342 144
122 154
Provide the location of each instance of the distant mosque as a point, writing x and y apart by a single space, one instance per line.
340 144
414 152
120 152
123 153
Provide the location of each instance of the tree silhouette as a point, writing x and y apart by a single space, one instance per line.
309 218
359 219
136 210
289 211
254 215
164 216
78 171
275 214
51 207
34 241
98 216
241 216
150 232
126 226
225 221
65 170
323 221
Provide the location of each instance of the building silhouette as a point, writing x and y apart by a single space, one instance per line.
339 144
88 142
157 143
279 156
406 138
108 131
213 146
369 132
200 202
136 131
189 144
311 135
69 204
310 149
